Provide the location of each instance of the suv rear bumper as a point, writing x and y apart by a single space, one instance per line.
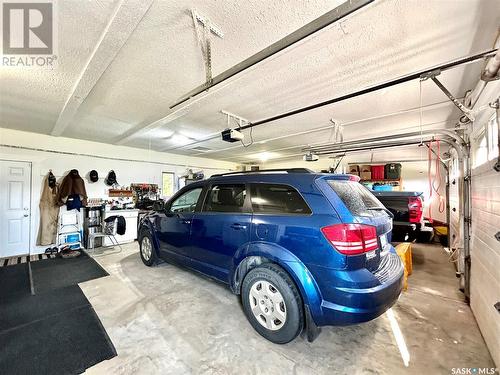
362 295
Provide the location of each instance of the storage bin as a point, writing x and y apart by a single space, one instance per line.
393 171
382 187
378 172
365 172
73 237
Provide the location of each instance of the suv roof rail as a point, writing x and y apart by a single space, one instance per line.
287 170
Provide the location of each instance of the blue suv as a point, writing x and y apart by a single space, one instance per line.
303 249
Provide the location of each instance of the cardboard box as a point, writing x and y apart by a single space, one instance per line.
354 169
366 175
365 172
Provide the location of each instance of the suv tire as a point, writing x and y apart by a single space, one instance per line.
147 250
272 303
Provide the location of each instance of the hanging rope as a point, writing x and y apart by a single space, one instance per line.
433 187
421 111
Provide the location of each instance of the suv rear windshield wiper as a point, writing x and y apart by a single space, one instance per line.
381 209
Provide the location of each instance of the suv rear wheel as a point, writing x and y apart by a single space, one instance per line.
272 303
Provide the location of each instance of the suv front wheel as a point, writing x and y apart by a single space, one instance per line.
147 251
272 303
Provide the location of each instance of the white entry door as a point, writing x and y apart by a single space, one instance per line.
15 212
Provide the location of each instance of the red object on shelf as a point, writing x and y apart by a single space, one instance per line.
378 172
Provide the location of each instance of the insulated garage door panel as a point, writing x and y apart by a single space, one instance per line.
485 254
484 312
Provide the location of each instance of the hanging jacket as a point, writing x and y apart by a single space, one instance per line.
72 184
49 212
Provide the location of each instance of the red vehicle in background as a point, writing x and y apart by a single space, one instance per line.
407 208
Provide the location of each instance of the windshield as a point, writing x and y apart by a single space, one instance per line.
357 198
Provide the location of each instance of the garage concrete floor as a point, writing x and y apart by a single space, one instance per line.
171 321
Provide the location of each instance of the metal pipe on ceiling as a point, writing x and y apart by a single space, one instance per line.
381 146
385 145
342 150
489 73
376 140
319 129
446 136
305 31
397 81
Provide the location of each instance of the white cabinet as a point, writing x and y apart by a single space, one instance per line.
131 217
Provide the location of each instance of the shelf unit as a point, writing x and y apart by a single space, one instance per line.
92 222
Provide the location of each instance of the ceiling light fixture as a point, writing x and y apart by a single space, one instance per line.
161 133
180 139
265 156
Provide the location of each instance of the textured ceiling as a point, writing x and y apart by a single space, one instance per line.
131 66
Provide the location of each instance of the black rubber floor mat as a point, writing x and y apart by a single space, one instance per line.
66 343
55 273
18 310
55 331
14 280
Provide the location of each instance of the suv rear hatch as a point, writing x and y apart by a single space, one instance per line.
363 237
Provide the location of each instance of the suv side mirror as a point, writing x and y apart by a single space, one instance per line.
158 206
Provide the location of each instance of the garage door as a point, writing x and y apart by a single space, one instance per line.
485 248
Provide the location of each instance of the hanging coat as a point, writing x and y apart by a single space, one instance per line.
72 184
49 212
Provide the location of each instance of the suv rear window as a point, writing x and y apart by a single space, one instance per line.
226 198
357 198
279 199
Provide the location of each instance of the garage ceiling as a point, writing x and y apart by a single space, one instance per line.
136 58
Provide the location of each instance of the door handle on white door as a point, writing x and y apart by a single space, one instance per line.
26 215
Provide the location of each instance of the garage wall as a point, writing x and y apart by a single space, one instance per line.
147 165
485 249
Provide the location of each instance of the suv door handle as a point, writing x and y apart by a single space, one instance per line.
238 226
185 221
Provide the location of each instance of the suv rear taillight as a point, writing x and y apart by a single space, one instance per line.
415 209
351 239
